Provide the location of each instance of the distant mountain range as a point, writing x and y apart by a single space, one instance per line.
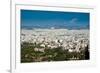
57 27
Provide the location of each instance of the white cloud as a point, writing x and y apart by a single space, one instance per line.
73 20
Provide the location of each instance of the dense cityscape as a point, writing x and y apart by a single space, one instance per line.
54 45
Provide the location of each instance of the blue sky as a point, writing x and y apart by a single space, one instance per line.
57 19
